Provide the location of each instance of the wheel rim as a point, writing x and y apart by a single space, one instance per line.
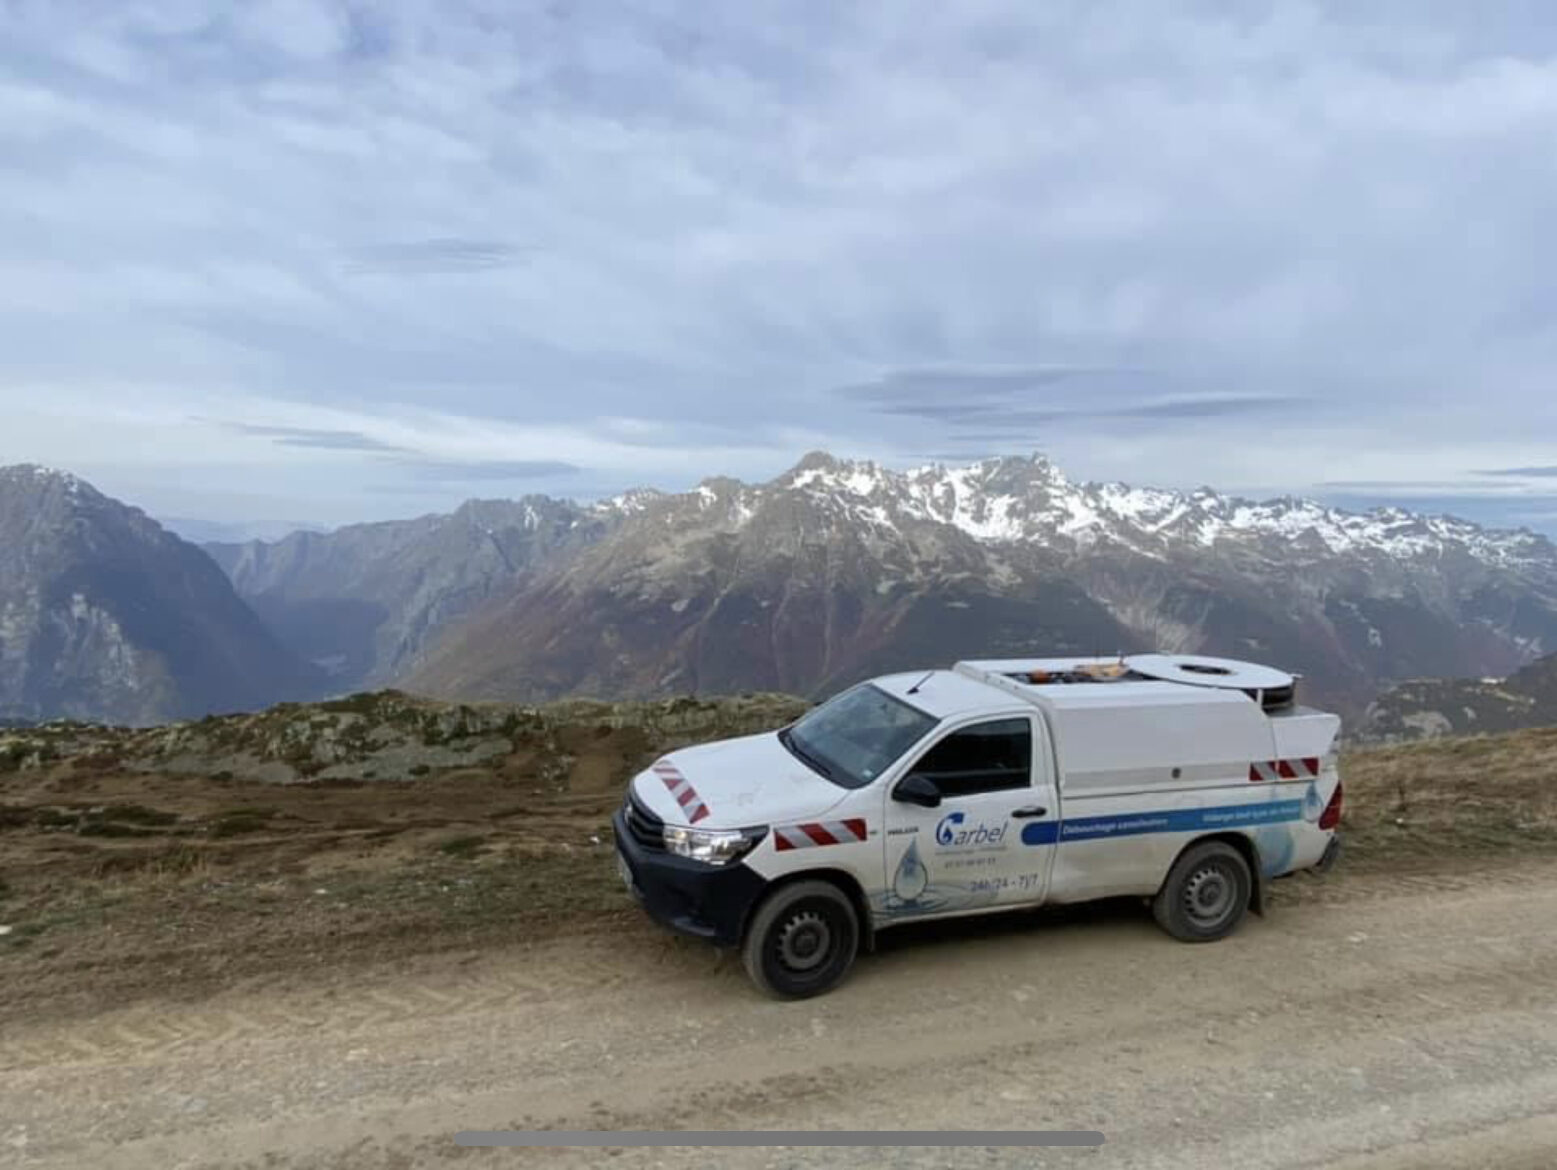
1210 895
805 942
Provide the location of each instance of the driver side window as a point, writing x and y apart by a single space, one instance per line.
987 757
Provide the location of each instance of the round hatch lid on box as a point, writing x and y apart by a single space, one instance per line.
1211 672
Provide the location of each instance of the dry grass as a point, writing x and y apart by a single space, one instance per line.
1476 795
221 879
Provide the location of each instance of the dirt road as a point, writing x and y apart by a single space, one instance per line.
1366 1024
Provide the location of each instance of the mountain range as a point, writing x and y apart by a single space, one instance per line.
104 615
838 569
1428 708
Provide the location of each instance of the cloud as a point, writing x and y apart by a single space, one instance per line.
913 385
432 257
1400 486
1202 408
1535 512
403 458
315 440
1030 399
490 471
1523 472
1312 230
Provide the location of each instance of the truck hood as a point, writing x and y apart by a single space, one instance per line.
740 782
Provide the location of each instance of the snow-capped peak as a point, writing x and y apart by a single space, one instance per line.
824 473
32 476
630 501
1031 501
35 471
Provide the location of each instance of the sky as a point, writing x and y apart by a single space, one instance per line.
307 262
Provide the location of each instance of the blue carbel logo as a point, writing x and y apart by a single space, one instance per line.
950 833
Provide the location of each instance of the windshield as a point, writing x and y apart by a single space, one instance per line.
853 738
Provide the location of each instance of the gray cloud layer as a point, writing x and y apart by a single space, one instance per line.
431 257
316 440
493 471
641 244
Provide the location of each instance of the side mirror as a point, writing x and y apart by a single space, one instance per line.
917 788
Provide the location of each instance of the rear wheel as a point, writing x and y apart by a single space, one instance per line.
1206 894
802 940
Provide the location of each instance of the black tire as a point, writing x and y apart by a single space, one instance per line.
802 940
1206 895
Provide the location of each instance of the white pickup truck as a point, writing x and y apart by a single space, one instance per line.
994 785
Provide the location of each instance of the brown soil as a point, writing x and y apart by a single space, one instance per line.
117 885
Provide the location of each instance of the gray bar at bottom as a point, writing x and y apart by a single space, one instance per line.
780 1137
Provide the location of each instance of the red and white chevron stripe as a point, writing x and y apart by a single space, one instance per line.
1304 769
681 788
846 832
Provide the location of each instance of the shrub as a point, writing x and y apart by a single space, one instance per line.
237 823
137 814
463 846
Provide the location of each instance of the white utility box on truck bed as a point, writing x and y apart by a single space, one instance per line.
994 785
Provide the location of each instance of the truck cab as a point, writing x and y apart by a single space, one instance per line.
994 785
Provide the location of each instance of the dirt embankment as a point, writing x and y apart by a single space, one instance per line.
161 863
173 860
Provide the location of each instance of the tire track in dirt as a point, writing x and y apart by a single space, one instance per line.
1443 1011
152 1030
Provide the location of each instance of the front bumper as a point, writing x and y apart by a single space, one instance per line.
711 902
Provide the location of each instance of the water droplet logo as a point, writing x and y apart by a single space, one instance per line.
911 878
1275 847
1312 805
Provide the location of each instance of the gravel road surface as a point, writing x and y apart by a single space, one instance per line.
1371 1025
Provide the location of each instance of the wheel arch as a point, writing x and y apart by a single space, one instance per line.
843 879
1251 856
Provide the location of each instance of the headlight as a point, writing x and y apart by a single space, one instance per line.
715 846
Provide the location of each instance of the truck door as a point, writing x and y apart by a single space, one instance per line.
972 822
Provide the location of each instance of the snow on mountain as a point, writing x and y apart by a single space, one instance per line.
837 569
629 502
1031 500
25 476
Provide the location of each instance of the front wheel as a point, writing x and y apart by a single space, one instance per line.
1206 894
802 940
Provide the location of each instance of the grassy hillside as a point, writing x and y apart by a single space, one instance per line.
1433 707
1474 795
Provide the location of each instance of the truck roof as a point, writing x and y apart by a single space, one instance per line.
945 693
1090 684
1083 683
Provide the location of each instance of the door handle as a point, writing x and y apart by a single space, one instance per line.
1031 811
